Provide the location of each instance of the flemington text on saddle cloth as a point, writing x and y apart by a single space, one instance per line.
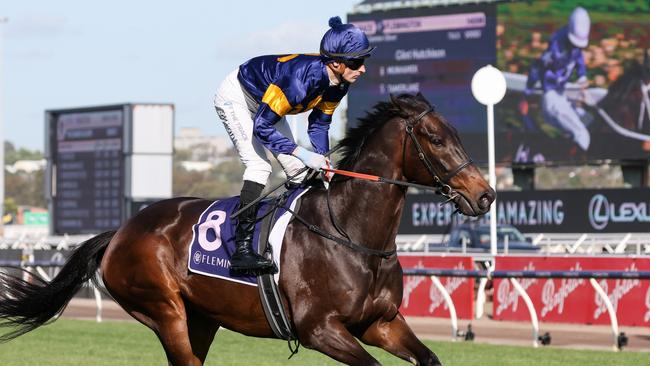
213 237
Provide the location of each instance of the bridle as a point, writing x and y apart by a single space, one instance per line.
440 184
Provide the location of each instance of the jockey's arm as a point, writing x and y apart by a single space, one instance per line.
537 70
320 118
278 100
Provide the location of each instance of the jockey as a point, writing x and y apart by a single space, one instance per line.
556 65
254 99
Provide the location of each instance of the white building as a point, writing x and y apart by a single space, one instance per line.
27 166
192 138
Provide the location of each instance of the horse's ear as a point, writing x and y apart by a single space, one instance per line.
403 106
421 98
393 99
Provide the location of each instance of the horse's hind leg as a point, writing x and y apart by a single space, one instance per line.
396 337
201 331
166 316
150 293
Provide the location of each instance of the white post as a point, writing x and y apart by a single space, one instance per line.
492 179
489 87
3 20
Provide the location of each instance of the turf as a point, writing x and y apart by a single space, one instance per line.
76 342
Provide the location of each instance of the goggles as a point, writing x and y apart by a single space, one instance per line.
354 64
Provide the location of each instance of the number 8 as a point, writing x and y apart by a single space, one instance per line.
215 224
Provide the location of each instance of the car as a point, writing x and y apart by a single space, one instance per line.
476 238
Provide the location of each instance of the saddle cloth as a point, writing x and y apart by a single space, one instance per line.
213 237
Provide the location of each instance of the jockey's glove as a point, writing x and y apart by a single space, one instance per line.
313 160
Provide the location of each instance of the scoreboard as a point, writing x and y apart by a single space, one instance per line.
91 155
88 170
434 51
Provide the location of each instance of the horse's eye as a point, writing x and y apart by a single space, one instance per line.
436 140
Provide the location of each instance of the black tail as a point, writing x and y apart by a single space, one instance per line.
25 306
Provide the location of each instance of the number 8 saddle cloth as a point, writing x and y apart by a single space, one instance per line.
213 239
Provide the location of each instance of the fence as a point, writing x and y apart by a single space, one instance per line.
619 339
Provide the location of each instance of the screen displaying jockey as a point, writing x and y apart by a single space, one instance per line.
254 99
554 69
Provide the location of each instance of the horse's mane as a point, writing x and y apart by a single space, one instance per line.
381 113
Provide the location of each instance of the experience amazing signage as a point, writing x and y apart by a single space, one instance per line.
569 211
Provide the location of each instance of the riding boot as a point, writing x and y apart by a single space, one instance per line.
245 258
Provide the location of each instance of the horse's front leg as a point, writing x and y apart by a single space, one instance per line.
333 339
396 337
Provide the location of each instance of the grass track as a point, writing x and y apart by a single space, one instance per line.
76 342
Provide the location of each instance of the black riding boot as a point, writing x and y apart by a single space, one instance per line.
245 258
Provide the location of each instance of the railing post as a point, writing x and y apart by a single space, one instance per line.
480 294
610 309
450 304
98 301
531 309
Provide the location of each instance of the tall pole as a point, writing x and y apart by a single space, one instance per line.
3 20
489 87
492 179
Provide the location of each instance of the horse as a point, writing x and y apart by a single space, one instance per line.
626 107
333 295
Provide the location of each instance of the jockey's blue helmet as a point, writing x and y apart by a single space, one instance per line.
344 42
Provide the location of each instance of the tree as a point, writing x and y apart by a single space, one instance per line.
12 154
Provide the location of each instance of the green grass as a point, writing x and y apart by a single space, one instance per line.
75 342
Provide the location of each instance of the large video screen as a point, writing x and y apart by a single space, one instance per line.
578 84
88 170
578 78
435 51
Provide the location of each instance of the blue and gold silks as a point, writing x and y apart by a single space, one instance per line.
290 84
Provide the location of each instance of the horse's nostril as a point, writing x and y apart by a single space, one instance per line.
486 199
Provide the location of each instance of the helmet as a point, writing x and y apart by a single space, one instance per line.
579 25
344 42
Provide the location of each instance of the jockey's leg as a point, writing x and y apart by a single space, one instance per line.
396 337
234 113
559 112
245 258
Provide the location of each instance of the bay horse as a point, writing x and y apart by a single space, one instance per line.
627 102
333 295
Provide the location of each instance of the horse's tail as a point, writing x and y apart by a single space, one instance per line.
25 305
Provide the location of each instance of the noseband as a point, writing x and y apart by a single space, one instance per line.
441 184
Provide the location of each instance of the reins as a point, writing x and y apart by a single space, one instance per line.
440 186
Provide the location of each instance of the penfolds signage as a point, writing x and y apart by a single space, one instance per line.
574 300
422 298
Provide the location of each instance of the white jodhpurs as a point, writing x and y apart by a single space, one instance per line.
560 113
237 117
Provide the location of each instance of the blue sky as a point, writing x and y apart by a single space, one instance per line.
60 54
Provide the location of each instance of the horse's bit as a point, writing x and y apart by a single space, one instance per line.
441 184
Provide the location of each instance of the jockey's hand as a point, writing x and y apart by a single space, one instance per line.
582 82
312 160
